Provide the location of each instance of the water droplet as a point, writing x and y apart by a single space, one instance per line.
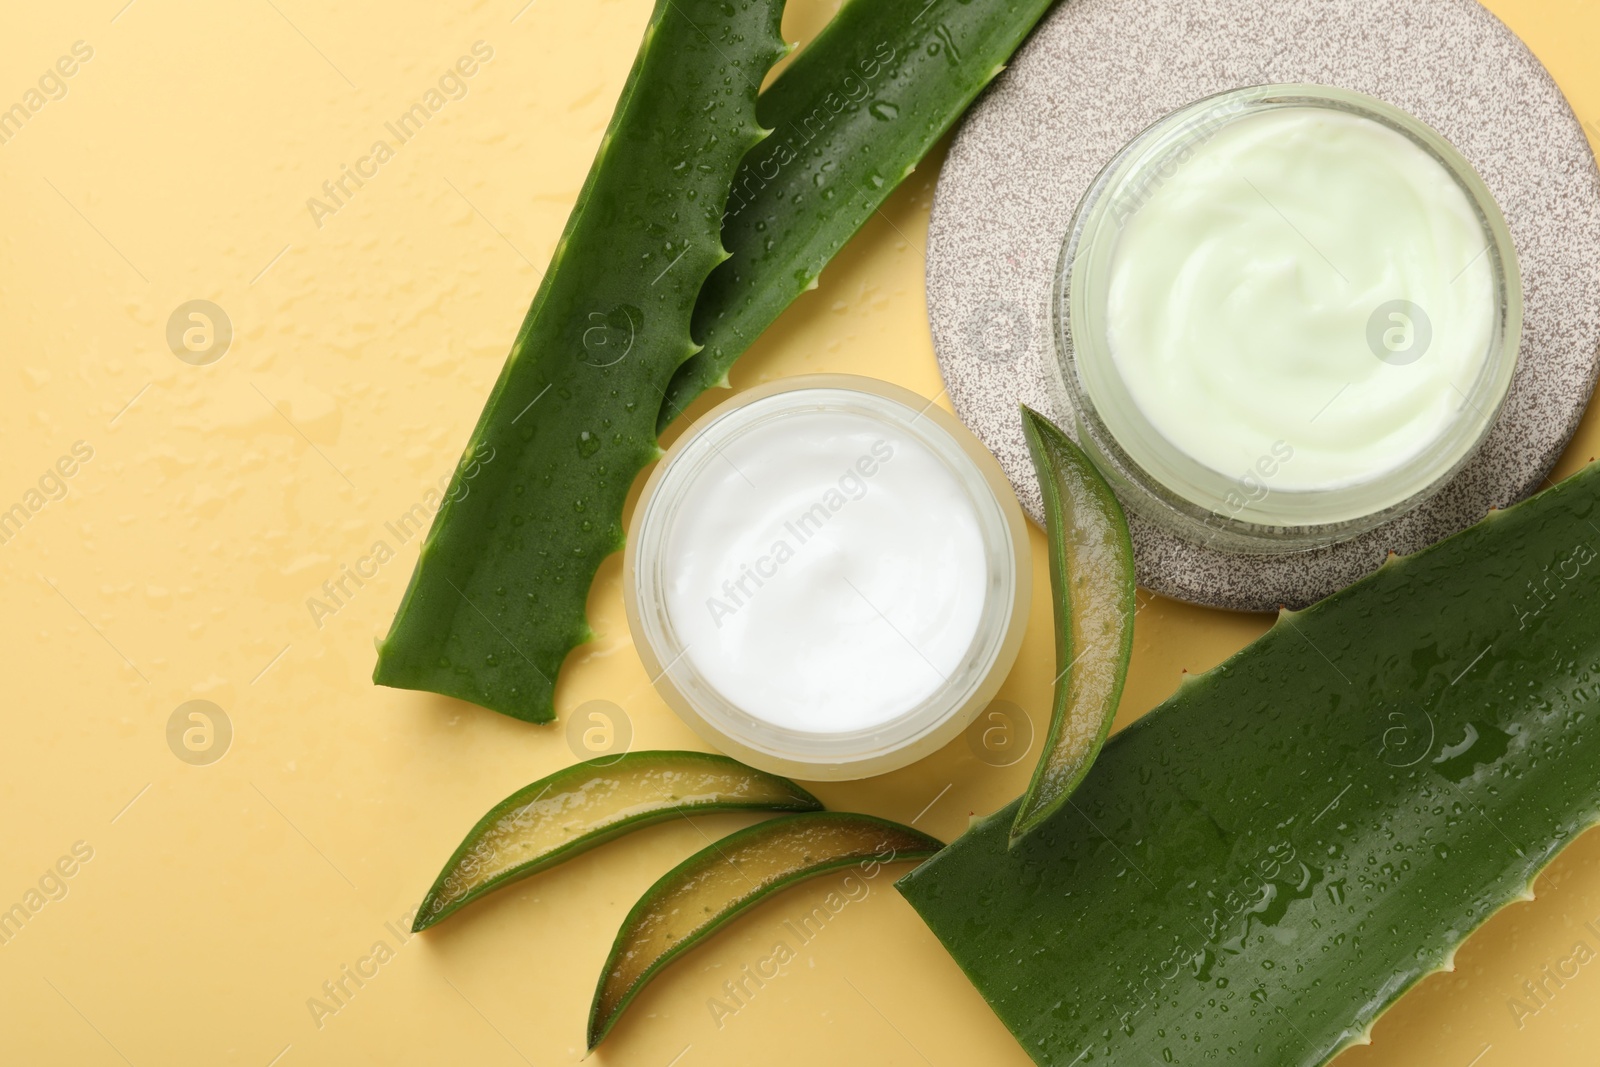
588 444
882 109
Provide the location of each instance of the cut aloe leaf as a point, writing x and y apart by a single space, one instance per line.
497 598
724 879
1091 575
590 803
1257 869
851 116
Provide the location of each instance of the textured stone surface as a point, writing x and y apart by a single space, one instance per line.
1098 71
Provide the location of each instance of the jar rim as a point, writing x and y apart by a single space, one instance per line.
831 755
1173 490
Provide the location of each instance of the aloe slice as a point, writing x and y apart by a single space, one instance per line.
497 598
1255 870
851 116
723 879
590 803
1091 574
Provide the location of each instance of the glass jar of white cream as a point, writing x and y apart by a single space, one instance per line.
827 577
1284 316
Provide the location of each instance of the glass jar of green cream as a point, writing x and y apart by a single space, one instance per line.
1284 316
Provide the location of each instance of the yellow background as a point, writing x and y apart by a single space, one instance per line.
220 898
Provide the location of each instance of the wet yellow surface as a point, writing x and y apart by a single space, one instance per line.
229 882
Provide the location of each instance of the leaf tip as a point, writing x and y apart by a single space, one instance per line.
1021 828
1029 815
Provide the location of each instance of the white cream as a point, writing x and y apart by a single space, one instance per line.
825 571
1245 281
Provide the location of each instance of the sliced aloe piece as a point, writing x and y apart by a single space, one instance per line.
851 116
497 598
723 879
1091 575
1256 870
591 803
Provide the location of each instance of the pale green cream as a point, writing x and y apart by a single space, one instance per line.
1253 299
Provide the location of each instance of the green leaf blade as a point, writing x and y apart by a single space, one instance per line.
851 117
498 595
1259 868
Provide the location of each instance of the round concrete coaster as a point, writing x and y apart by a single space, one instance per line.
1098 71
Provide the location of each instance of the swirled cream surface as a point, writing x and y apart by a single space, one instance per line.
825 572
1305 287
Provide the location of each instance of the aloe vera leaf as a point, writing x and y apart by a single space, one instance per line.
723 879
497 597
1092 577
1257 869
590 803
851 117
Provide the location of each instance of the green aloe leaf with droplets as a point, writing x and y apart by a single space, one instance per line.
1257 869
497 598
606 355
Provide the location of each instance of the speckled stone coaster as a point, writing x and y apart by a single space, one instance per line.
1098 71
